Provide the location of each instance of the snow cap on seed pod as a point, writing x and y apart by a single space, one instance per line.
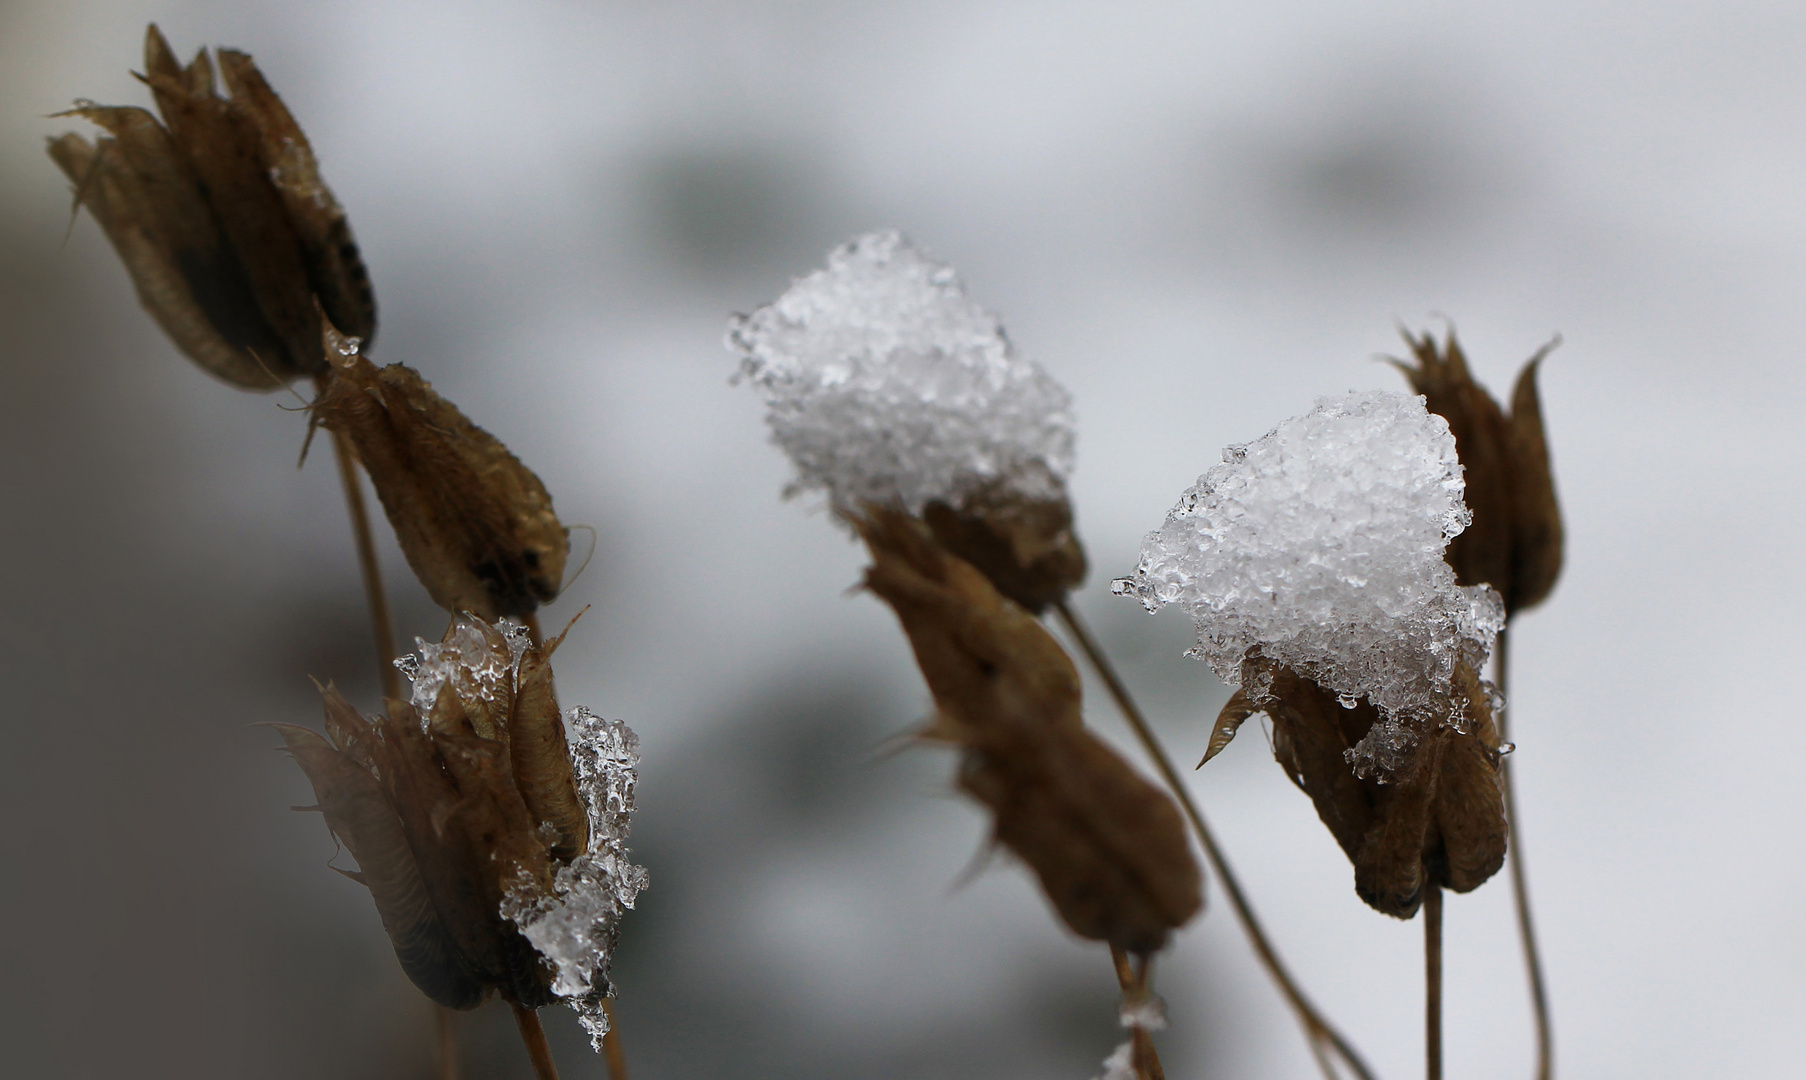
887 385
489 828
1108 847
1515 541
1311 562
234 242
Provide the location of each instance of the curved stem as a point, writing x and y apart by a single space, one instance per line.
1147 1062
1520 894
381 627
1317 1030
535 1038
1432 980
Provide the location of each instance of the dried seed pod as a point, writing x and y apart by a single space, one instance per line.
1441 819
1515 541
482 881
222 220
1108 847
1025 545
476 525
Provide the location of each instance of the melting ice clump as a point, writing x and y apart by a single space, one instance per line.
887 384
1321 545
478 665
576 927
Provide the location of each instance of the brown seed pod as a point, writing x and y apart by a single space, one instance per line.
1441 819
447 824
1108 847
476 525
221 219
1025 546
1515 541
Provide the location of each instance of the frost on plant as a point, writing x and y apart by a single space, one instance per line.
1320 545
888 384
576 926
479 661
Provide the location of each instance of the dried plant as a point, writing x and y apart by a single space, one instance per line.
494 848
234 242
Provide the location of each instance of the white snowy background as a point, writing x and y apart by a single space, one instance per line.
1200 217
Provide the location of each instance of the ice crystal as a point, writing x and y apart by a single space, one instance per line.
888 384
478 665
575 927
1120 1065
1320 544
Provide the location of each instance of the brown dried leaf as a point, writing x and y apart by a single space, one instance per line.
1026 547
1441 818
1234 712
476 525
352 801
1514 543
1108 847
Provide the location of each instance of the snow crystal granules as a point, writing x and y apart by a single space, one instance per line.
887 385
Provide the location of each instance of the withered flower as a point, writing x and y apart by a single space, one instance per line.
1514 543
476 525
1108 847
1311 561
233 241
888 385
490 829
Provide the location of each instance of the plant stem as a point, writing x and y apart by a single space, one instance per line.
446 1024
380 625
1134 988
611 1046
535 1038
1432 975
1520 893
1317 1030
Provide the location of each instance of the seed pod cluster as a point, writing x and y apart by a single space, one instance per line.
1440 820
234 242
1515 541
476 525
496 863
1108 847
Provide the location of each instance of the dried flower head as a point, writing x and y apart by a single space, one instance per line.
1311 562
476 525
1514 543
1108 847
888 385
490 830
234 242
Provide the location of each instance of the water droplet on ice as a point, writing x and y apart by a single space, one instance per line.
1506 748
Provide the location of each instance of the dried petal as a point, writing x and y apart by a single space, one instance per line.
1025 545
542 755
1234 712
1515 541
476 525
352 801
1108 847
1442 818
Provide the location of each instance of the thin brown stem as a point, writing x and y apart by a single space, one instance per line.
381 627
1432 977
1520 894
535 1037
447 1047
611 1046
1317 1030
1135 989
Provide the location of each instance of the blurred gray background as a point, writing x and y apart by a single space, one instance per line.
1199 217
